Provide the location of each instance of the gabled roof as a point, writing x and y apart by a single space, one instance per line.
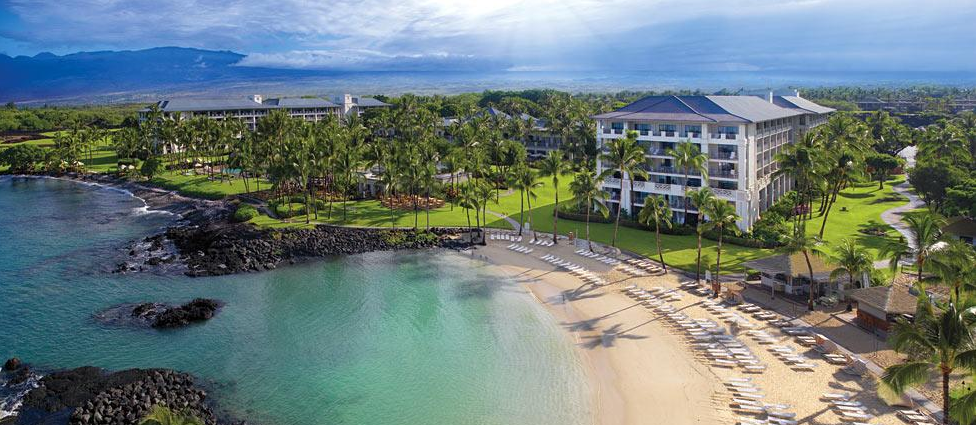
961 226
894 299
709 109
792 265
236 104
298 102
195 105
797 102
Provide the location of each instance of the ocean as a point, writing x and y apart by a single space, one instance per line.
380 338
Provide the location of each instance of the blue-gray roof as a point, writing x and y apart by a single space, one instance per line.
298 102
797 102
710 109
369 102
237 104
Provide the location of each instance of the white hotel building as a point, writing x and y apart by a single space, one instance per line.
251 109
740 134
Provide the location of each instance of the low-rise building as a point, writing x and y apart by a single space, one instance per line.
251 109
961 228
740 135
879 306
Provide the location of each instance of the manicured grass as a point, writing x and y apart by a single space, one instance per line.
201 186
858 208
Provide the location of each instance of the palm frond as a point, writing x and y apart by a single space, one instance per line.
899 378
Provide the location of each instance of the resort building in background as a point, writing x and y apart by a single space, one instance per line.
741 136
251 109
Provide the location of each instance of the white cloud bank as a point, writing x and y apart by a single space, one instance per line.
522 34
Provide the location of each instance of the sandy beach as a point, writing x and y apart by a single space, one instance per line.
644 370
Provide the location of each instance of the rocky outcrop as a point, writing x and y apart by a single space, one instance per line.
198 310
159 315
90 396
222 248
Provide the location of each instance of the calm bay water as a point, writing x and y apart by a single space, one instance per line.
392 338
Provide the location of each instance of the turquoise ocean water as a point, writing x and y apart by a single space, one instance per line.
383 338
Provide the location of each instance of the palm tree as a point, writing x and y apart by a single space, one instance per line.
701 199
924 229
628 157
943 342
162 415
554 165
850 258
721 216
689 157
586 187
895 251
954 263
656 210
944 140
799 162
799 242
523 180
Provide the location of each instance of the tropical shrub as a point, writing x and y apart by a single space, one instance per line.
22 158
245 212
151 167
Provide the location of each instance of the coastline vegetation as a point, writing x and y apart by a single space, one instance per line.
399 168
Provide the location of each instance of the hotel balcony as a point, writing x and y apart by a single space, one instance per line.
725 153
722 173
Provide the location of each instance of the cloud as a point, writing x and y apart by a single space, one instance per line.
525 34
364 60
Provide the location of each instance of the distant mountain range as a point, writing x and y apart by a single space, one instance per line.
48 77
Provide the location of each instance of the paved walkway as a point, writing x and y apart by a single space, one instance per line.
894 216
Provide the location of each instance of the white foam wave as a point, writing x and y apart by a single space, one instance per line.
143 210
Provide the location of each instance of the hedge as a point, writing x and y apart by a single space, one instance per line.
676 230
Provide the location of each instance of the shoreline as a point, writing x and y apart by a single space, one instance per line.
640 365
635 368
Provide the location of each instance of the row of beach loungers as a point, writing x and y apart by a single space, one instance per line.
516 238
747 398
598 257
520 248
505 237
575 269
645 265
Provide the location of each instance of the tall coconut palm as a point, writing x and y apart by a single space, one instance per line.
628 157
954 263
586 188
799 162
941 341
895 251
656 210
554 165
523 180
721 217
701 199
924 230
799 242
851 259
944 140
689 158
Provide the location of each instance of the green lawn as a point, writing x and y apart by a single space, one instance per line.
858 208
200 186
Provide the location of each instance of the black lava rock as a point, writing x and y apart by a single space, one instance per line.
11 364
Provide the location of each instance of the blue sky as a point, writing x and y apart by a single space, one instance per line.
865 35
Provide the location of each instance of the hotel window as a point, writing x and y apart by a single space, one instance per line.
644 129
695 130
668 127
728 129
618 127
